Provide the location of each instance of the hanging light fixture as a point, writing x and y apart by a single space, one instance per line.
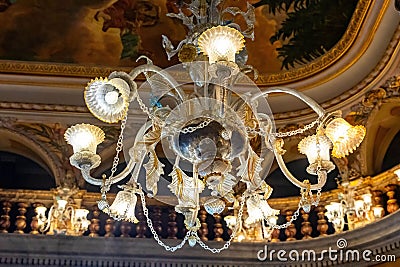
64 217
206 126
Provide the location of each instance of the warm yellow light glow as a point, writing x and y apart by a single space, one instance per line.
81 214
41 211
61 204
367 198
359 204
378 212
315 148
397 172
345 137
84 137
221 43
124 205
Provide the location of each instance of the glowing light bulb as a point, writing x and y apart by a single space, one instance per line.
111 97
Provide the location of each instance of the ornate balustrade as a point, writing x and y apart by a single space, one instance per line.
18 215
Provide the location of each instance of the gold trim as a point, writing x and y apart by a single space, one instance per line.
312 68
327 59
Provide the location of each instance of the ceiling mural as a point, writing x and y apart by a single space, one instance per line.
109 33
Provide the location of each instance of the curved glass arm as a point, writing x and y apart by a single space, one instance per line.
322 175
306 99
85 170
152 68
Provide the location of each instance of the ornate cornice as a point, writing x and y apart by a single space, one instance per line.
264 80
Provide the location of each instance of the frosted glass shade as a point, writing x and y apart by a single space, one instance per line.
345 137
221 43
316 148
61 204
123 207
81 214
84 137
258 209
334 210
41 211
108 100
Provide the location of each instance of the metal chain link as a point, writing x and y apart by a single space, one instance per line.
294 217
227 243
260 132
153 231
119 146
297 131
191 129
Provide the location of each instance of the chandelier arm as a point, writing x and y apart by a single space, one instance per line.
322 175
48 221
306 99
149 67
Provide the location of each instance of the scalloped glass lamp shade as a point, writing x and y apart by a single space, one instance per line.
316 148
258 209
334 210
61 204
397 172
84 137
41 211
123 207
221 43
81 214
108 100
345 137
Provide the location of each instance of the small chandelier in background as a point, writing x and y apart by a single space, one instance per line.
63 217
353 210
214 127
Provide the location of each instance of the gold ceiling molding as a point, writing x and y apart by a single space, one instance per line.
327 59
42 107
265 79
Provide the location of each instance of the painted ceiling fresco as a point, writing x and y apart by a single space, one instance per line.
288 33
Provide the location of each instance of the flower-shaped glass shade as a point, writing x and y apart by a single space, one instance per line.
221 43
367 198
397 172
108 100
316 148
41 211
123 207
334 210
258 209
61 204
81 214
345 137
84 137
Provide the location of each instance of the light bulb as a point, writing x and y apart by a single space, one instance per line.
111 97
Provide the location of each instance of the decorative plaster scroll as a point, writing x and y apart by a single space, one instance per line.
375 74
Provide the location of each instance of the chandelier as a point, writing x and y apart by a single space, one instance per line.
212 123
353 210
64 217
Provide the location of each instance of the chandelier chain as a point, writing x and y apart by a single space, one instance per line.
191 129
119 146
234 231
297 131
287 224
153 231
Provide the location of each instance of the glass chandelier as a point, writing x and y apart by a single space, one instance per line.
63 217
212 123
